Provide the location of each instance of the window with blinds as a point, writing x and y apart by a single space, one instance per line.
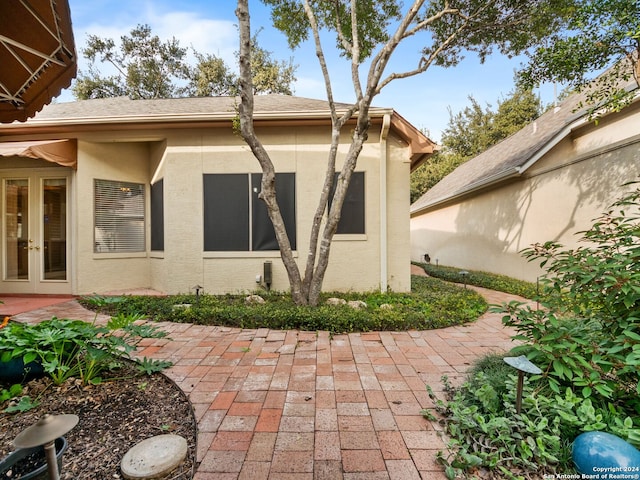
119 217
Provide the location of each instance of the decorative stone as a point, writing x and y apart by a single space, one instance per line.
357 304
182 306
253 299
336 301
154 457
601 453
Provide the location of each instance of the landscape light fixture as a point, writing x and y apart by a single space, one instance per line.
197 288
523 365
464 274
45 432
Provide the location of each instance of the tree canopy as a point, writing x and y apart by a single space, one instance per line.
601 37
472 131
146 67
367 34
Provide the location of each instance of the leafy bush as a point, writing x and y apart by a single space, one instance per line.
432 304
493 281
73 348
586 336
486 432
585 339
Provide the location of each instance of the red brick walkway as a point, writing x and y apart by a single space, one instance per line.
285 405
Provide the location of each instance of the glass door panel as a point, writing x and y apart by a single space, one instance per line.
54 228
16 214
35 226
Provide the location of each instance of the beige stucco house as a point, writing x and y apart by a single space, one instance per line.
546 182
116 194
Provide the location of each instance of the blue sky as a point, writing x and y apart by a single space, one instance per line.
210 27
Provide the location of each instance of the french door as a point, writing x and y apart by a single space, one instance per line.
35 229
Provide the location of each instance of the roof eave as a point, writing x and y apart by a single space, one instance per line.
472 188
187 118
514 172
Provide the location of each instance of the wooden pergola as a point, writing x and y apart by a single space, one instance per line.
37 55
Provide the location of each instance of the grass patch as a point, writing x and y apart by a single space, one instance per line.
493 281
431 304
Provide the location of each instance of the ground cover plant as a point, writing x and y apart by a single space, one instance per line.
89 370
431 304
585 339
73 348
493 281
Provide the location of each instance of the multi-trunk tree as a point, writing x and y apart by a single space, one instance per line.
368 34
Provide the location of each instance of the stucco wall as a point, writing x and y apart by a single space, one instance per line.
559 196
183 158
104 272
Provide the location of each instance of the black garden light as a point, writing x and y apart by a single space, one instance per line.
197 288
45 432
523 365
464 274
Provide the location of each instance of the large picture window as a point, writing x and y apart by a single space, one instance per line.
235 219
353 211
119 217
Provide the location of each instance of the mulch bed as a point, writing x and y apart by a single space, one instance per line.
114 416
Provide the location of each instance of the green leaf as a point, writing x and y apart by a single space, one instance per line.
25 404
632 335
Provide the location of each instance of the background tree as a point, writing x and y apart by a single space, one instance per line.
601 34
367 34
148 68
472 131
212 77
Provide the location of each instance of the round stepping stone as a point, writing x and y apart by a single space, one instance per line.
154 457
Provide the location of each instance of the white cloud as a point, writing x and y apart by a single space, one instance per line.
217 37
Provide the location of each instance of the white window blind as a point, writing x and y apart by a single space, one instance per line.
119 217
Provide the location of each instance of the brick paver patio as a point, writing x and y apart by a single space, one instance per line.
285 405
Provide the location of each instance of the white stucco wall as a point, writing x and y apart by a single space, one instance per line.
181 156
559 196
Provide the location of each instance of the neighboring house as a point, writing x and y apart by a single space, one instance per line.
116 194
544 183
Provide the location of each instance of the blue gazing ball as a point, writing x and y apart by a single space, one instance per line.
605 456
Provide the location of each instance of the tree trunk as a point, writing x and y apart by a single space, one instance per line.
268 188
304 290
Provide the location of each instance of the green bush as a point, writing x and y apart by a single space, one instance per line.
73 348
493 281
586 335
431 304
585 339
486 431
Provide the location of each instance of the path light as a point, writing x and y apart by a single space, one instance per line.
523 365
464 274
197 288
45 432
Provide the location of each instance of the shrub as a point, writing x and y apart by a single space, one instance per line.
585 339
73 348
486 431
585 336
432 304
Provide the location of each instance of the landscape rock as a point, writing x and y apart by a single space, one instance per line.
336 301
357 304
253 299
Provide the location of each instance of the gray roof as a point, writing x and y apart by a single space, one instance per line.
220 107
508 158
